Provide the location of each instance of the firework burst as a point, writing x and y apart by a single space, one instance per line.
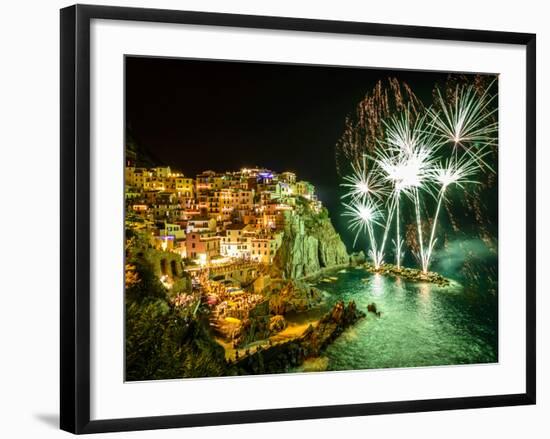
459 172
409 160
364 214
467 121
406 159
362 184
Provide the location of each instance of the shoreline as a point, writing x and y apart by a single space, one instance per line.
323 271
295 336
306 344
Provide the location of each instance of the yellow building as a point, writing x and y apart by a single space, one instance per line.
185 187
173 230
305 189
223 202
236 243
288 177
205 181
136 177
162 172
264 247
201 224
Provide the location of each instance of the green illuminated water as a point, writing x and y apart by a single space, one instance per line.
421 324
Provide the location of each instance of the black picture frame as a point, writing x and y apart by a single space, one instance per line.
75 217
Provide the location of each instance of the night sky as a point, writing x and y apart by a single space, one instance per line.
196 115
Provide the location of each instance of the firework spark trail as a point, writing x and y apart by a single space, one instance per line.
364 214
406 160
457 172
365 126
466 123
422 255
387 225
433 240
398 240
362 184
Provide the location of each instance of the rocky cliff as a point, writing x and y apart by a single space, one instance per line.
284 356
310 243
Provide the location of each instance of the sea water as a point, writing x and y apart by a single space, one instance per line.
421 324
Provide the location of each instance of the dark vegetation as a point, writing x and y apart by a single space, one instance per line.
163 341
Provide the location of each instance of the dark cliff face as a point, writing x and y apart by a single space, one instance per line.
310 243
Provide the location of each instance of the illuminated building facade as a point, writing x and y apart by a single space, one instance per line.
238 214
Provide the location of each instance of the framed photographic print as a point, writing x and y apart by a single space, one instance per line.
268 218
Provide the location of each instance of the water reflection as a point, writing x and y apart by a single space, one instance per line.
424 296
421 324
377 285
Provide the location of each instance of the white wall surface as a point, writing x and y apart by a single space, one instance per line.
29 168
